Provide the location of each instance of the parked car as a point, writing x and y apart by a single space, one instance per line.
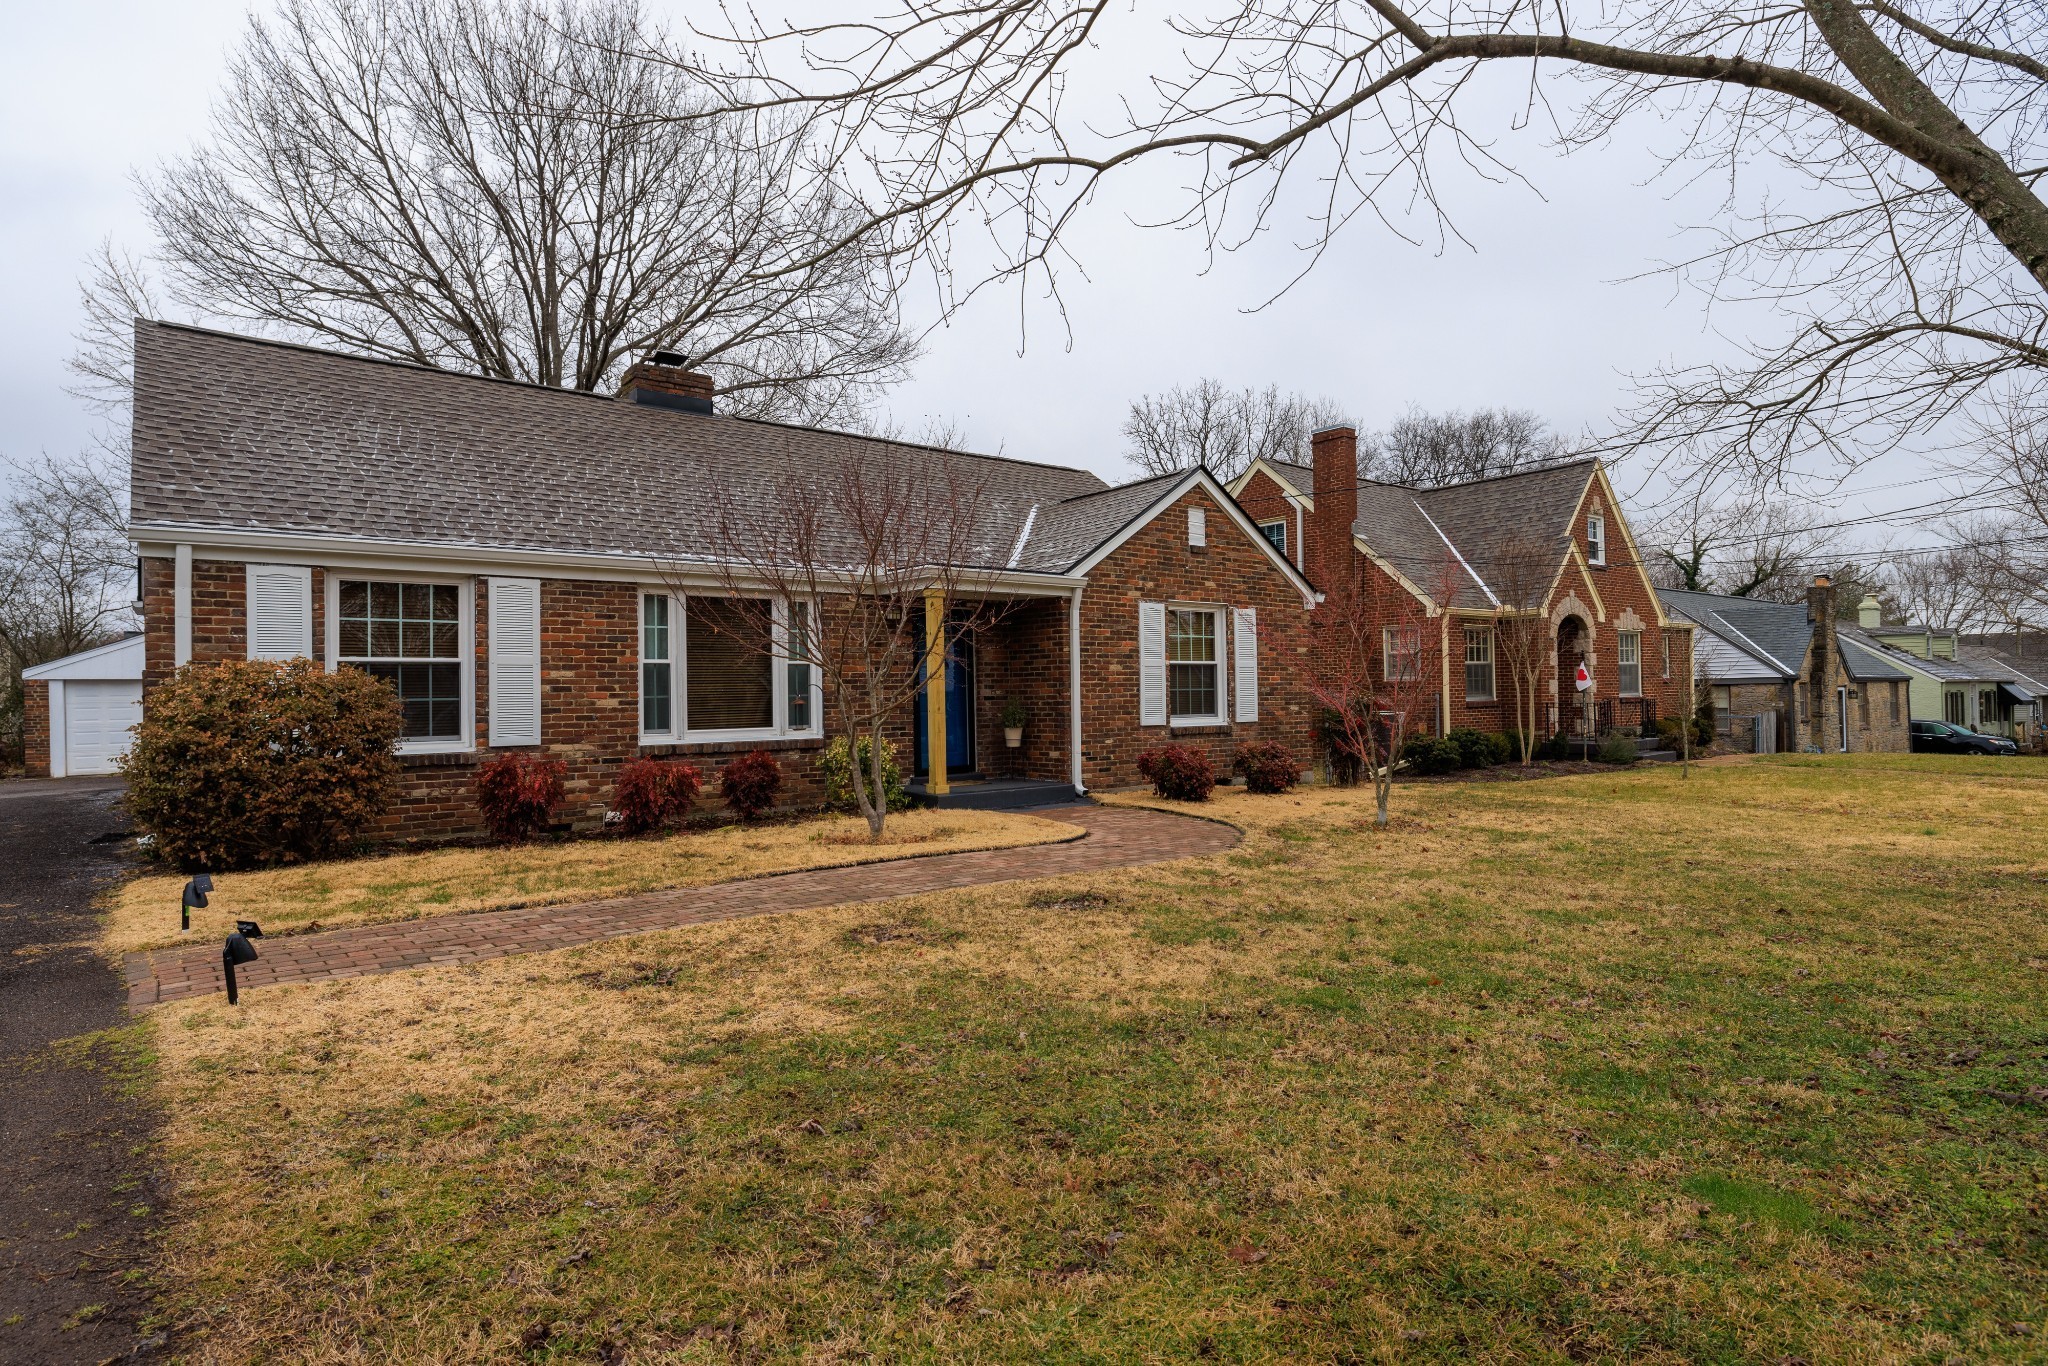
1939 737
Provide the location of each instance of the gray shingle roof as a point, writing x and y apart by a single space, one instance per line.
2029 674
1779 631
1065 532
233 433
1509 527
1964 670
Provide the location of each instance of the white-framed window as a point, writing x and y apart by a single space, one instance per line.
1276 532
1194 666
1401 652
716 668
657 665
1666 637
1629 655
1479 664
1724 710
414 634
1596 538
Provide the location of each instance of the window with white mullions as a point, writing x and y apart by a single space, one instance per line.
1629 653
409 635
1194 669
1478 664
657 666
1401 653
1596 539
1276 532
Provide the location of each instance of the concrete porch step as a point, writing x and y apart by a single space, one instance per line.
997 794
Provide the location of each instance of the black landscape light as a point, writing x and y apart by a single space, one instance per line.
237 950
195 895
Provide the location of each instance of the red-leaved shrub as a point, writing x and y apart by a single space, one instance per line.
1268 766
516 793
749 784
1178 773
652 793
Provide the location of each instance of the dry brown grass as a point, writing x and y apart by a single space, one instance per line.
1613 1067
144 912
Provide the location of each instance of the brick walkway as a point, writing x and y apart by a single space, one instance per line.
1118 837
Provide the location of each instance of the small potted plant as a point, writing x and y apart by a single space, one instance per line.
1013 723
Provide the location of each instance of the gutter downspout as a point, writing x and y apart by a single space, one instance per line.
181 608
1074 773
1443 711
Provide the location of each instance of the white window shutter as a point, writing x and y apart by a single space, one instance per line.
1198 526
1246 682
515 661
1151 663
280 611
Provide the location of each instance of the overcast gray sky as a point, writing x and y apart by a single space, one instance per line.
1535 313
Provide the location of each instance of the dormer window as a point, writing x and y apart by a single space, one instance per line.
1596 539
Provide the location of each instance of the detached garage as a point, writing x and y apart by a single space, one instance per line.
81 708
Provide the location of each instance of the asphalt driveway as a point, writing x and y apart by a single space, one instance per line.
77 1200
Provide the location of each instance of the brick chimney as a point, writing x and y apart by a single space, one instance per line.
1825 735
1334 453
664 380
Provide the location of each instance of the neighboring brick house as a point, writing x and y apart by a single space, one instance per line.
1542 558
533 569
1792 677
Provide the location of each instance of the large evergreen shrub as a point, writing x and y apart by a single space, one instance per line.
250 762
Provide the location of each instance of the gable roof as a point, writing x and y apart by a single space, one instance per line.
1970 667
240 434
1774 633
2030 675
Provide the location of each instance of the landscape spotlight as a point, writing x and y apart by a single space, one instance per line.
195 895
238 949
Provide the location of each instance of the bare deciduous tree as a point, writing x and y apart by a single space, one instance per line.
67 573
1224 429
1520 575
497 188
861 548
1371 667
1743 546
1429 450
1914 274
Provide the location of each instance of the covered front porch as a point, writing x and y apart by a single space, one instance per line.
1002 703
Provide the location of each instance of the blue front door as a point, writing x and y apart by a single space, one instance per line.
959 711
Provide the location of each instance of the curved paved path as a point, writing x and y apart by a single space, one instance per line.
1118 837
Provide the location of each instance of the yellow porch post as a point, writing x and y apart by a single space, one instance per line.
935 692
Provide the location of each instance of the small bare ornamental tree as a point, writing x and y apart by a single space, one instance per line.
860 550
1372 667
1519 575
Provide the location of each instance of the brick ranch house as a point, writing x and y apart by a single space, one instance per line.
528 567
1549 546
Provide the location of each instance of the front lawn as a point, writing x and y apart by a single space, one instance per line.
385 887
1750 1066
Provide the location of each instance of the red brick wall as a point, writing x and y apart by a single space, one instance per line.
1265 501
35 727
1158 565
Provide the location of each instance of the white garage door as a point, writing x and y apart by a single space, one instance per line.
96 721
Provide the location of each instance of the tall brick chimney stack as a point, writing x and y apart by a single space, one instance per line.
665 380
1826 734
1334 454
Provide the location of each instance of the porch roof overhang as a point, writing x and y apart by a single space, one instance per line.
2016 692
444 557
